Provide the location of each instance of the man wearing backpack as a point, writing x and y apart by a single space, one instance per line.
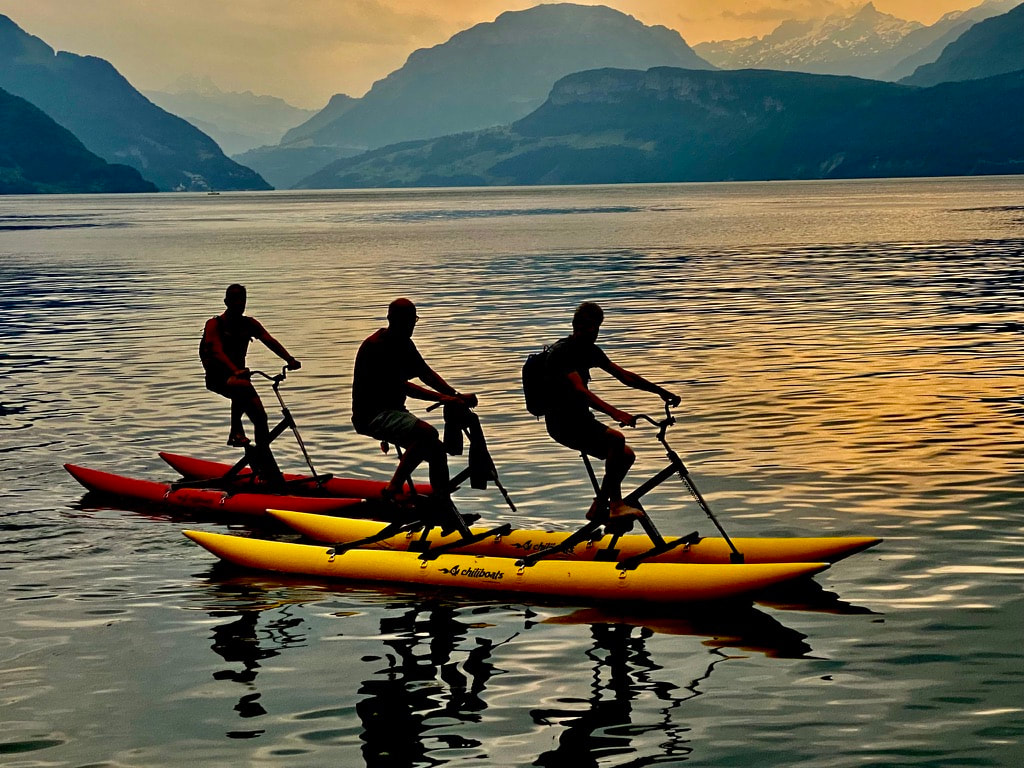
568 415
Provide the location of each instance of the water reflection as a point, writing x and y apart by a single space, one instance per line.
241 640
431 694
426 680
723 626
601 726
808 595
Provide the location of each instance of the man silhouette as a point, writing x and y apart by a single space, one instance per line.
569 419
223 349
385 364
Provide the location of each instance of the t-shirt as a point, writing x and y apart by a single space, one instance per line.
232 335
384 364
565 356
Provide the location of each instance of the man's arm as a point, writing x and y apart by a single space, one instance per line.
576 381
441 391
636 381
276 347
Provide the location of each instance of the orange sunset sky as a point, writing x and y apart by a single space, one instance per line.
306 50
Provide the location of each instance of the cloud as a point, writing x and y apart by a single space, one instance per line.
807 9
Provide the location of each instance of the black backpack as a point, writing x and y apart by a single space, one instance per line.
536 387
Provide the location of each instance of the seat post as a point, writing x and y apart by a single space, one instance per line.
590 471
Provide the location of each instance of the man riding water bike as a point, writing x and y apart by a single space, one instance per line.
385 364
569 419
222 350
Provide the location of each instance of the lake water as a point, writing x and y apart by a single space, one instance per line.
850 357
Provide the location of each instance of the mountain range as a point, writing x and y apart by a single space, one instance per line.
90 98
990 47
236 121
619 121
37 155
490 74
867 43
298 155
665 124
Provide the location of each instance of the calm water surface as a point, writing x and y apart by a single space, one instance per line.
850 360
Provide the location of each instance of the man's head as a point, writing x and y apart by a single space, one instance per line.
586 321
402 317
234 299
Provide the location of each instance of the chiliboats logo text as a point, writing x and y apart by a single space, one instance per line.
473 573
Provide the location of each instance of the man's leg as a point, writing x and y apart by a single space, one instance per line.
245 399
233 390
260 455
618 460
601 442
237 434
421 442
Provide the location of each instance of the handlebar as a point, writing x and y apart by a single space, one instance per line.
276 378
662 425
474 401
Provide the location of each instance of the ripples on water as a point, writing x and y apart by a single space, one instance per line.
849 358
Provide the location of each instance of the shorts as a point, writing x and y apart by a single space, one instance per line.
392 426
582 433
243 391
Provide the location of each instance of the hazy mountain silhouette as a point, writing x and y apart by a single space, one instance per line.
298 155
286 166
236 121
499 71
37 155
339 104
665 124
991 47
91 99
926 45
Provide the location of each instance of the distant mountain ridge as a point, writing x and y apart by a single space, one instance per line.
868 43
834 45
297 155
39 156
91 99
499 71
236 121
926 45
991 47
490 74
665 124
339 104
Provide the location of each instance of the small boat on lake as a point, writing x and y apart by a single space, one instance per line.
577 580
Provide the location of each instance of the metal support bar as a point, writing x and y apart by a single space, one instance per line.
611 552
464 541
665 546
392 529
582 534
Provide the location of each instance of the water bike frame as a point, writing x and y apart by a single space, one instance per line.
675 467
259 457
